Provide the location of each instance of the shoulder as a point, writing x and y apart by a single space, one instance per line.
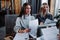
18 18
49 14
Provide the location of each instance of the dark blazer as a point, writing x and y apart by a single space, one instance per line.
42 19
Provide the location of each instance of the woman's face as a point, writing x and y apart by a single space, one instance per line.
46 7
43 10
28 9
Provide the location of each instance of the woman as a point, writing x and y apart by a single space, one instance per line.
43 15
22 22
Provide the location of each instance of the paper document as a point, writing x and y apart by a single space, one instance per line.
50 33
21 36
47 21
33 25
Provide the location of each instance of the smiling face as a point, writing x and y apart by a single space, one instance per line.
28 9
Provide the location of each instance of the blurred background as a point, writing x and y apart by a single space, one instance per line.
14 6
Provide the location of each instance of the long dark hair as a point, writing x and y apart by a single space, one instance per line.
22 12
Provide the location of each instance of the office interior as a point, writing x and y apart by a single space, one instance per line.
10 9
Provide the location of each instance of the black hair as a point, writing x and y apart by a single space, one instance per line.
23 9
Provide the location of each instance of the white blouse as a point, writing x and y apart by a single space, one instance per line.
23 21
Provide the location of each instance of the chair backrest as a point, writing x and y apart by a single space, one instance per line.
10 22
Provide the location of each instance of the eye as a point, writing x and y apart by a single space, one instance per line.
46 6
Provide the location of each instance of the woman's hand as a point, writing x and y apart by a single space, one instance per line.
27 30
22 31
41 23
58 35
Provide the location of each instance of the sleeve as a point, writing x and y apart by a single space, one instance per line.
40 19
17 25
51 17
